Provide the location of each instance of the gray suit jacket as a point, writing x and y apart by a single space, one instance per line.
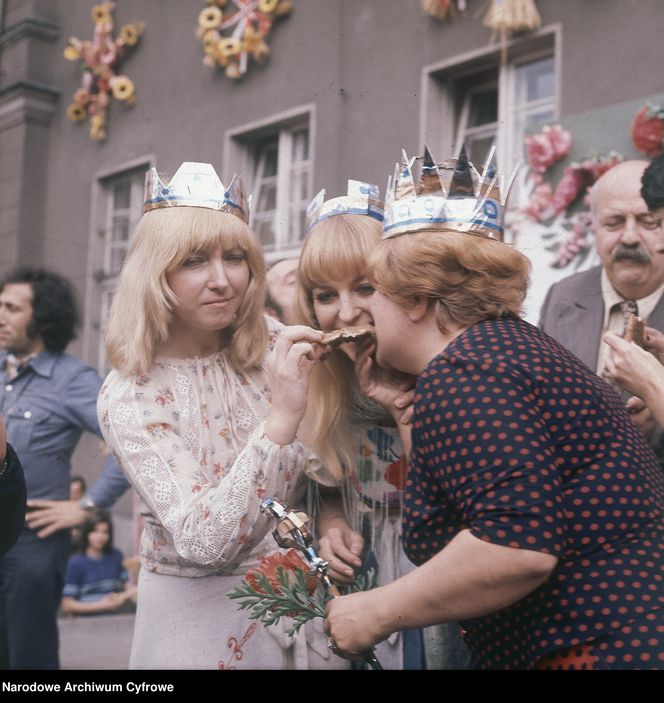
573 314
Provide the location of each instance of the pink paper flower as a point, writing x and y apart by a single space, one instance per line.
575 179
544 149
539 204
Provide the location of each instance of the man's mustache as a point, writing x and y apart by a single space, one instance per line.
637 254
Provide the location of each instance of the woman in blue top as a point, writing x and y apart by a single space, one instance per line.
96 580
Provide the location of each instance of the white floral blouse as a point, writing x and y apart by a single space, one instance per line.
190 437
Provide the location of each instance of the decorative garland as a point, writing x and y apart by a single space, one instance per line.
571 239
100 59
230 37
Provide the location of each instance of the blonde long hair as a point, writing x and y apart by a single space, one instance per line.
143 304
336 249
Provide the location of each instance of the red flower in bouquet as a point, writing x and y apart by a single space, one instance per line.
290 562
648 130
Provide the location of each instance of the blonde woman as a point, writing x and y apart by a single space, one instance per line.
358 415
202 430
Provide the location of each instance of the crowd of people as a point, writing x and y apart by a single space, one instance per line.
502 479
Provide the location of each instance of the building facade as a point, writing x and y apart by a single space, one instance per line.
347 85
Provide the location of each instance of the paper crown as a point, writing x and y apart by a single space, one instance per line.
361 199
451 196
196 185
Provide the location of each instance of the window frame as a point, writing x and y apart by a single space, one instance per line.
440 111
240 157
101 281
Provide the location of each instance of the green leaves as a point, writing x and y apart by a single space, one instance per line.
288 597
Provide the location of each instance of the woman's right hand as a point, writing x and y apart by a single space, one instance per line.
294 355
341 547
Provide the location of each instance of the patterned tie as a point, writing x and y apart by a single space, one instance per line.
629 307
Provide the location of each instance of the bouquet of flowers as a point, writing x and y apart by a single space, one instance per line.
284 586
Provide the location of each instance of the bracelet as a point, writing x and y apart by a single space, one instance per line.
87 503
4 466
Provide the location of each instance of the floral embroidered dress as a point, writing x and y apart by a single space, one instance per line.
190 437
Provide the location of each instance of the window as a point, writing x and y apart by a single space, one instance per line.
124 201
119 205
276 164
483 101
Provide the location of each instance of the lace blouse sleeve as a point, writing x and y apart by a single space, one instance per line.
210 521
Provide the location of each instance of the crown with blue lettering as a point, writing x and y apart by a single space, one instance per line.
361 199
452 196
197 185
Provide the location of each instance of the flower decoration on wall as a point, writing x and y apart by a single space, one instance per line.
570 236
443 9
100 60
232 31
648 130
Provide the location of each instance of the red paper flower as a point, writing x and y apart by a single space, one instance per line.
289 561
648 131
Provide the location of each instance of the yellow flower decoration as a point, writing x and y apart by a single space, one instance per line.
210 18
209 41
232 37
233 70
98 127
72 53
254 44
76 112
101 14
130 34
229 47
284 8
267 6
122 87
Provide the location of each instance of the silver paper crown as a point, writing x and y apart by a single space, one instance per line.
451 196
361 199
197 185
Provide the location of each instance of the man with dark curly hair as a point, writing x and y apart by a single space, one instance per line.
48 398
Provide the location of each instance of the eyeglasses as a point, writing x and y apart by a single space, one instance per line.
645 222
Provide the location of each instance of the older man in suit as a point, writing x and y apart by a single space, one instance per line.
578 310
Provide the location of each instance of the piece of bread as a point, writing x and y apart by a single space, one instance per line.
347 334
634 328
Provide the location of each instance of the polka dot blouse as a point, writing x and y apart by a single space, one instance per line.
517 441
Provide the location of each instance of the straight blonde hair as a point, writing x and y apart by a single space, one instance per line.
143 303
335 250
